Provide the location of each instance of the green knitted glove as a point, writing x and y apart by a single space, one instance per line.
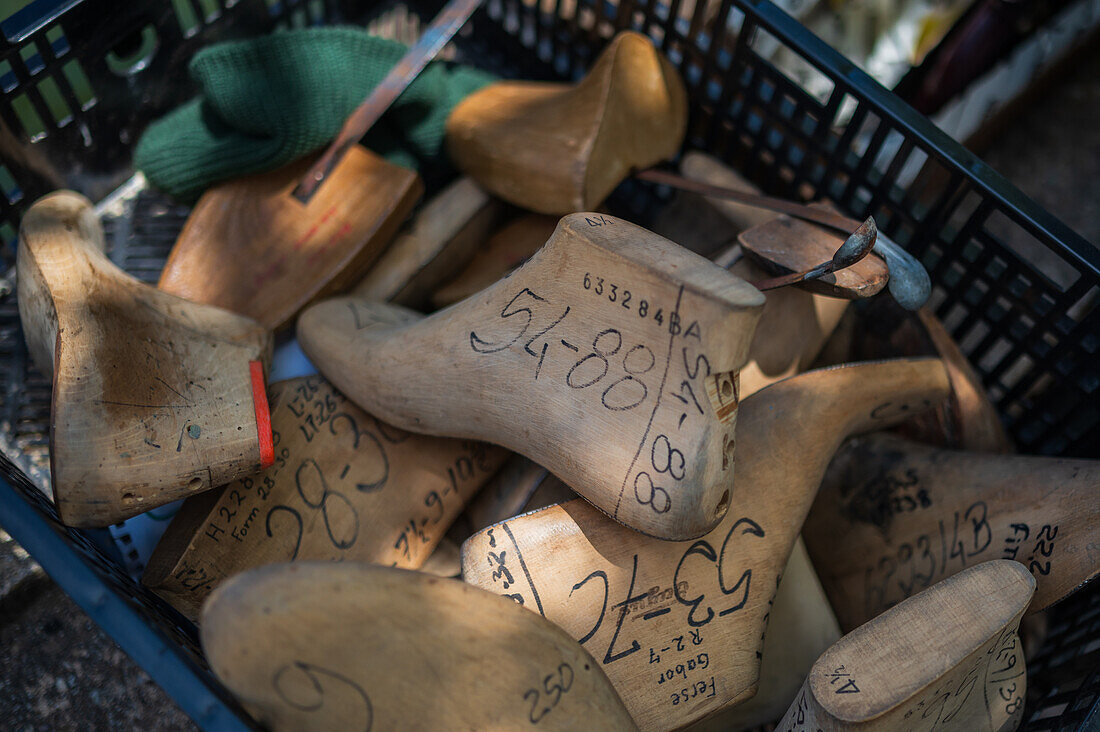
267 101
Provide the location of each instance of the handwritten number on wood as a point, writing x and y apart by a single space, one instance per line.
603 608
480 345
374 443
297 517
610 656
311 697
704 549
552 687
308 478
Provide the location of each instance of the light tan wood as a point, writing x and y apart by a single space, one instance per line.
792 331
505 495
518 487
786 244
975 424
801 626
507 249
440 240
948 658
556 148
702 167
445 561
152 395
352 646
667 616
344 486
967 421
795 324
573 361
251 247
893 517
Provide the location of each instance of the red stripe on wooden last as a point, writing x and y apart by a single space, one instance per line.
263 414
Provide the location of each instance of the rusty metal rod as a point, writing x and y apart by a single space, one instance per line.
442 29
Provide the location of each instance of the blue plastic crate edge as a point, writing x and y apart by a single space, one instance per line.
188 685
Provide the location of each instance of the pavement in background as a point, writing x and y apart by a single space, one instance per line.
60 671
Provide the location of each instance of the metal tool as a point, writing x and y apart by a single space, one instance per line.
442 29
909 282
855 247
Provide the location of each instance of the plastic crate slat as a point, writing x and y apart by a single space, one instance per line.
1021 209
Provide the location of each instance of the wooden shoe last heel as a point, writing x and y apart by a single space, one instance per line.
154 398
557 149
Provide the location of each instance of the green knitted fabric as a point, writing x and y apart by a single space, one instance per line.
269 100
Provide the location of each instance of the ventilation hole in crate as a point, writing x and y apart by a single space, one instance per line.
7 238
298 18
861 199
792 65
55 102
79 83
787 106
1031 250
995 268
888 149
960 214
902 234
8 81
910 168
1046 343
807 123
1019 371
997 310
953 318
586 18
33 126
133 53
31 59
998 352
59 43
1078 310
186 16
12 191
969 338
971 250
211 11
933 254
1020 326
765 90
316 9
1019 286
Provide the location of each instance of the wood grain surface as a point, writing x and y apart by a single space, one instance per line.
610 358
801 626
512 245
318 645
152 395
679 626
344 486
948 658
894 517
555 148
441 239
251 247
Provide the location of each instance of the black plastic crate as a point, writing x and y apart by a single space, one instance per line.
81 79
